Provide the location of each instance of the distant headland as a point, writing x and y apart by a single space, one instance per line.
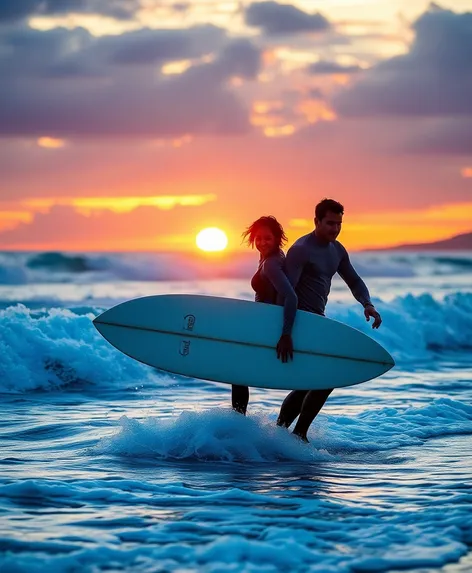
461 242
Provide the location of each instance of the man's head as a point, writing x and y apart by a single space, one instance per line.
328 219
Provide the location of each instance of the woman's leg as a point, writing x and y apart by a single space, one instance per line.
239 398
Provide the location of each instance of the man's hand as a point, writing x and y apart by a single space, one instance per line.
369 311
285 348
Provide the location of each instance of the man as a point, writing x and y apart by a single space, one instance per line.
311 263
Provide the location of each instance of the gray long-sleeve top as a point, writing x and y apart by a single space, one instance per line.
273 287
310 266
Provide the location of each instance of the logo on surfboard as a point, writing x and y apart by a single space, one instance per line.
184 348
189 322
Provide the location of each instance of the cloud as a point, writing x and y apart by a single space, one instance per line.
240 58
65 83
31 54
50 143
316 93
69 227
65 53
278 19
181 6
15 10
442 136
151 46
88 205
324 67
433 79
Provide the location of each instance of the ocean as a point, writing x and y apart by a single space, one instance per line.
109 465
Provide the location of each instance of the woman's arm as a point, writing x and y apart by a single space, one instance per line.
274 272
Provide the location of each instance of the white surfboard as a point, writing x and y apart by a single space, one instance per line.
233 341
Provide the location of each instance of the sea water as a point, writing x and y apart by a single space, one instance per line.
109 465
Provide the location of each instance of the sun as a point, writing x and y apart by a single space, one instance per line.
212 239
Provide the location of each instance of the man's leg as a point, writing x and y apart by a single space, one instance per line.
291 407
239 398
312 404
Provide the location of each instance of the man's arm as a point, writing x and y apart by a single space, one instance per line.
358 288
349 275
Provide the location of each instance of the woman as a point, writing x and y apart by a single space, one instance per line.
271 287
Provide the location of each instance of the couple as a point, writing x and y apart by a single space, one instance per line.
301 280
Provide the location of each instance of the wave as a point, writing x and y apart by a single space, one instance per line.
218 435
455 261
12 274
59 262
415 326
24 268
212 435
50 349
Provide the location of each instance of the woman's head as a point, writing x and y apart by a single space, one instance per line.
266 234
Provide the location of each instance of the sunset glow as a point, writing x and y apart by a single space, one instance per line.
87 205
139 125
51 142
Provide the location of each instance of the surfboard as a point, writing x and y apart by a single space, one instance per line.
233 341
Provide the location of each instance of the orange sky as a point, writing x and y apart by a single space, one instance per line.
134 134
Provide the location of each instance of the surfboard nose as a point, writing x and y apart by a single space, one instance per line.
100 319
96 320
390 358
385 357
105 315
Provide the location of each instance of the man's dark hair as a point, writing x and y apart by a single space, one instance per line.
271 223
321 210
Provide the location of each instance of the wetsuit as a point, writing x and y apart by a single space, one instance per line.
310 266
271 286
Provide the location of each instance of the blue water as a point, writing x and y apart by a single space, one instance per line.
109 465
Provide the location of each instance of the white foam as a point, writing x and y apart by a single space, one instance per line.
47 350
226 436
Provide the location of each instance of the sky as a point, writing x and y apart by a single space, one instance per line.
133 124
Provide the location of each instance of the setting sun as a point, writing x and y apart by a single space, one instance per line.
212 239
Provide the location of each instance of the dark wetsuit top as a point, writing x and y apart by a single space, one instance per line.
273 287
311 264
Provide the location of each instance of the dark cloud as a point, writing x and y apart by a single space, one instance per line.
181 7
240 58
14 10
433 79
316 93
11 10
61 52
443 136
29 53
278 19
326 68
150 46
64 83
